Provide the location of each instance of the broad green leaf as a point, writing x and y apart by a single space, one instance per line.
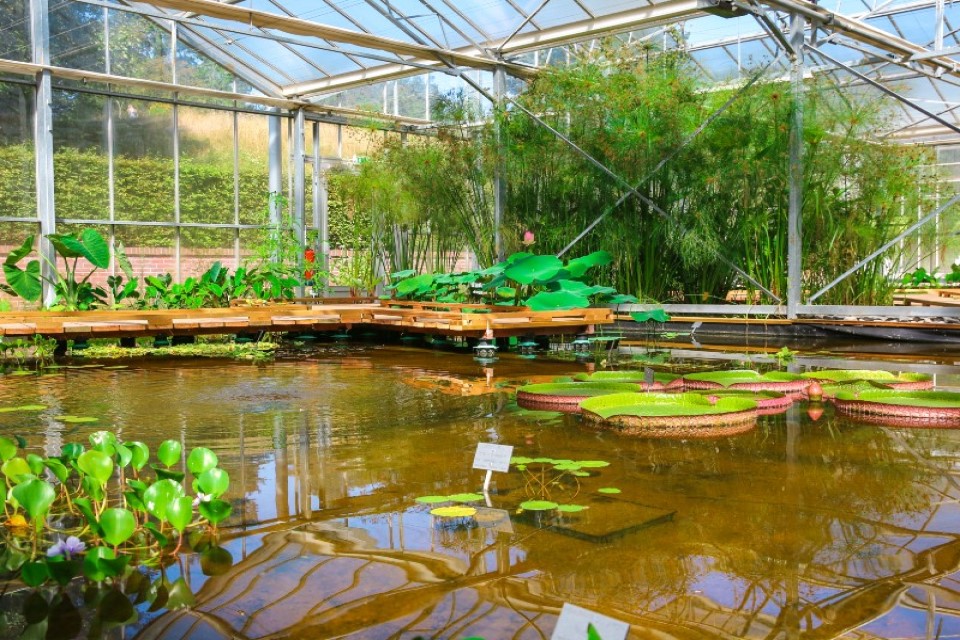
20 252
140 454
180 512
24 407
538 505
432 499
169 452
117 525
155 532
453 512
34 573
8 448
608 490
579 266
101 563
158 496
103 441
97 465
15 469
57 468
465 497
88 244
86 508
557 301
201 459
124 454
35 463
121 255
77 419
63 570
534 269
72 451
35 496
215 511
214 482
24 282
571 508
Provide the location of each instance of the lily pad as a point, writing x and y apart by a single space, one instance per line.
608 490
453 512
465 497
24 407
538 505
432 499
593 464
77 419
571 508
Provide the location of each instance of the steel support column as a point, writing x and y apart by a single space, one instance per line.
299 190
500 170
321 208
43 144
795 214
275 165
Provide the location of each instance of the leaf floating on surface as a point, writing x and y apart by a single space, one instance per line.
465 497
453 512
432 499
76 419
608 490
538 505
25 407
571 508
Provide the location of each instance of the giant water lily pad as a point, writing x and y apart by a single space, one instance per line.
660 379
538 505
669 414
906 381
746 379
453 512
768 402
566 396
902 408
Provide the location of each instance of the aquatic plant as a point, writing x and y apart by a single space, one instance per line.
781 381
97 512
670 414
566 396
904 381
894 407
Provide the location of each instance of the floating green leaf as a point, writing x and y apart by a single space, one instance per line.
571 508
453 512
76 419
117 525
24 407
593 464
608 490
432 499
465 497
101 563
538 505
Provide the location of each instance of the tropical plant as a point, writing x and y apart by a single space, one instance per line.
73 291
920 277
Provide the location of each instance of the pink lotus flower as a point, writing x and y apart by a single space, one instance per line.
528 238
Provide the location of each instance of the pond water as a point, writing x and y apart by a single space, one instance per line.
801 528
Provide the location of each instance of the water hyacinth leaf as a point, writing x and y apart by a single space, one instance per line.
453 512
215 510
115 609
571 508
35 496
214 482
169 452
35 463
180 512
96 464
538 505
92 487
158 496
16 469
180 595
76 419
534 269
124 455
432 499
156 533
101 563
86 508
34 574
103 441
215 561
117 525
8 448
140 454
72 451
608 490
57 468
557 301
63 570
134 501
23 407
201 459
137 486
465 497
168 474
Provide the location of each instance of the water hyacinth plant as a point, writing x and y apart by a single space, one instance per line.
99 512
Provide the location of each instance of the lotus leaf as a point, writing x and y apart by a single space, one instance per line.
608 490
653 315
538 505
533 269
557 301
932 399
623 298
593 464
579 266
117 525
432 499
201 459
520 460
453 512
662 404
35 496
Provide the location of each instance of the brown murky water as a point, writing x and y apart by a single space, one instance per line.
799 529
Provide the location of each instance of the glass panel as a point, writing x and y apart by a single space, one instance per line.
139 48
206 165
143 161
198 70
150 249
329 144
15 30
76 36
253 135
18 193
253 242
200 248
80 161
12 234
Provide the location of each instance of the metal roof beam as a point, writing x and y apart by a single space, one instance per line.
267 20
660 13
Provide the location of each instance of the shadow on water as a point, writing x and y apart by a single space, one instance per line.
801 528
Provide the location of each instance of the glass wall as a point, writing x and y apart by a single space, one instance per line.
18 193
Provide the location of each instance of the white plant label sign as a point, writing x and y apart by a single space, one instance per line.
493 457
573 622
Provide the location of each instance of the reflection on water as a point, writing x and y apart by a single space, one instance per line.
798 529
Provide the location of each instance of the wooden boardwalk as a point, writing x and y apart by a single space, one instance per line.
443 319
